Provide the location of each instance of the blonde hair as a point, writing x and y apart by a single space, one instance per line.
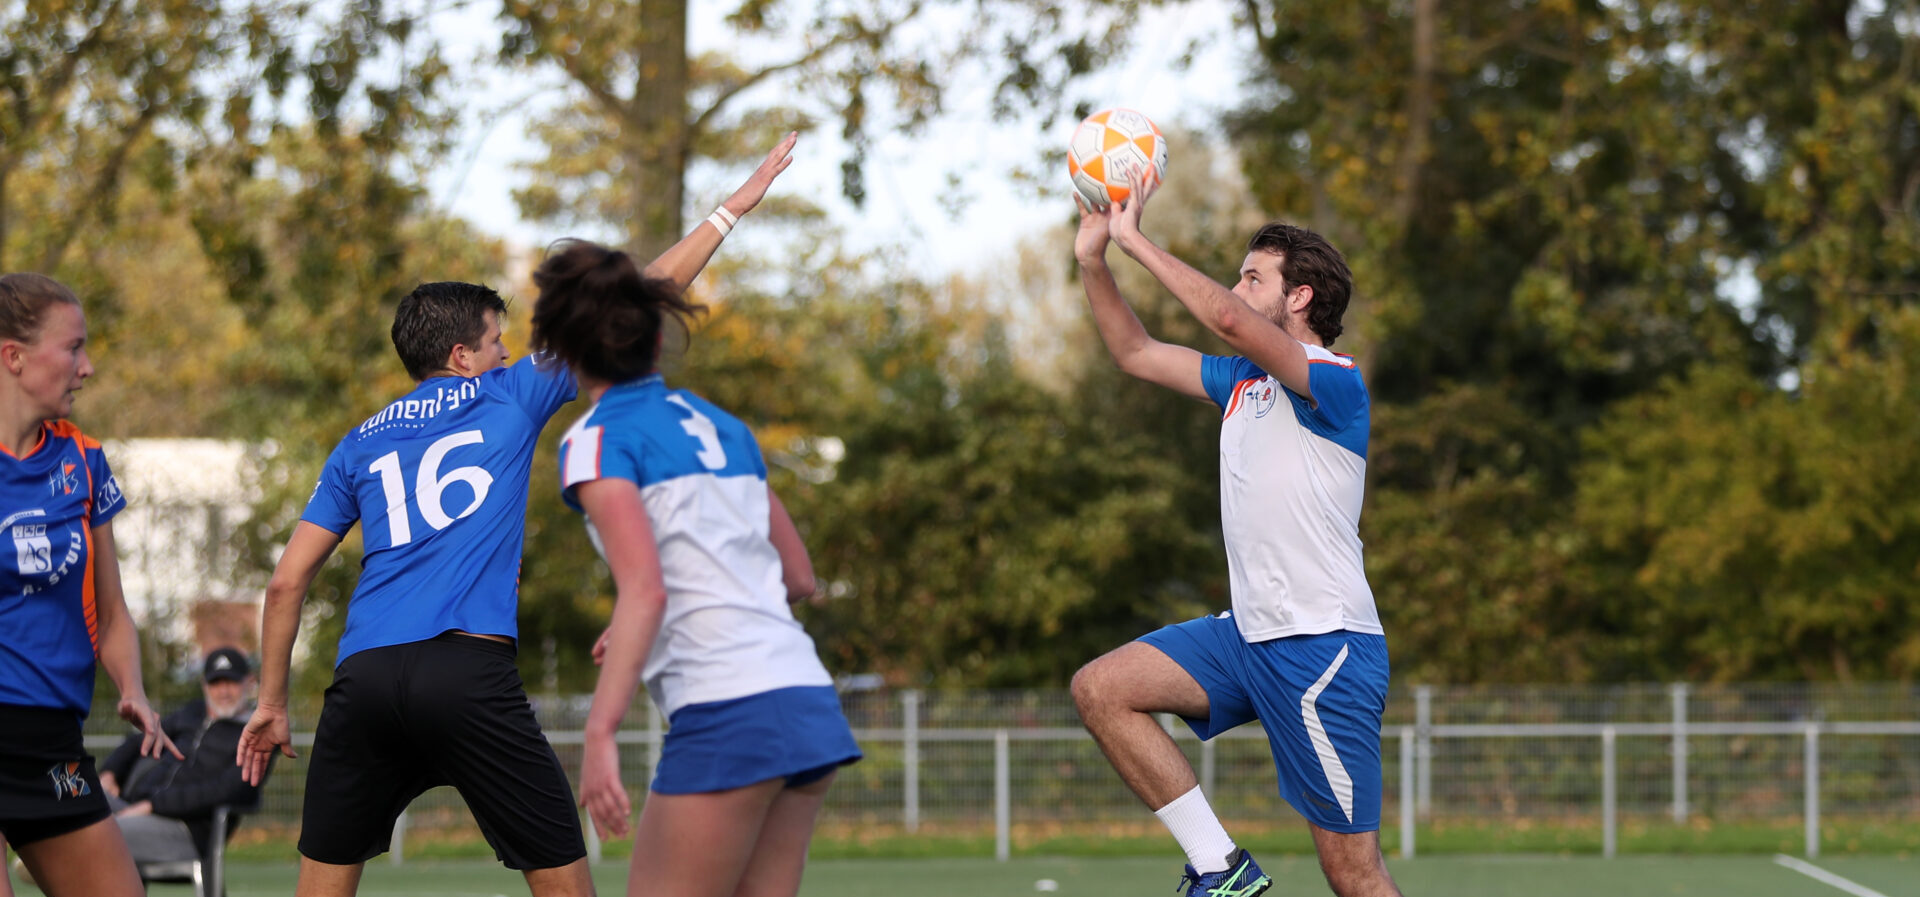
23 302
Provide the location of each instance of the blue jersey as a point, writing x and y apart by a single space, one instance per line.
438 482
728 631
50 502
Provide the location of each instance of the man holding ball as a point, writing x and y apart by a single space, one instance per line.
1302 650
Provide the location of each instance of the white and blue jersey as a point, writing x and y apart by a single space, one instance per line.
728 631
1292 476
438 482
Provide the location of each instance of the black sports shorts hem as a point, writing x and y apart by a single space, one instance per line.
450 710
48 786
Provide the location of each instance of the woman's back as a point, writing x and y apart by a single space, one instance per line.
728 630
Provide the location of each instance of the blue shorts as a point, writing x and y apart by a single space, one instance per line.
798 734
1320 698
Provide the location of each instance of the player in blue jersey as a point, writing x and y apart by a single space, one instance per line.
705 562
425 688
1302 650
61 606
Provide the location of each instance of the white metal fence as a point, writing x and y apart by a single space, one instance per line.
971 759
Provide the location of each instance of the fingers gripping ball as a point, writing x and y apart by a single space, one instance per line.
1108 146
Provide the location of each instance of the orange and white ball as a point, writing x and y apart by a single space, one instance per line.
1108 146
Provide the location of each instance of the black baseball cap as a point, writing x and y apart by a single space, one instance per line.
226 663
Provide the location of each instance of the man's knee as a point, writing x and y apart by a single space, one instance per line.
1093 686
1356 869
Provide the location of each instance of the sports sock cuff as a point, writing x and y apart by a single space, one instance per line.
1191 820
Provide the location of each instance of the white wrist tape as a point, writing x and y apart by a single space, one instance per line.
722 220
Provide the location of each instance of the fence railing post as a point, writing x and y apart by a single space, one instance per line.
593 838
656 738
910 758
1423 748
1609 785
1813 790
398 855
1406 792
1207 762
1679 692
1002 798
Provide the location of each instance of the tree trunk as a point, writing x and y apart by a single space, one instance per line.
4 170
656 133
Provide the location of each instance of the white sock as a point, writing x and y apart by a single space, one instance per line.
1193 824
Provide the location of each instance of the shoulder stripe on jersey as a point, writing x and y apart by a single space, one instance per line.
583 456
69 430
1234 405
1346 365
88 604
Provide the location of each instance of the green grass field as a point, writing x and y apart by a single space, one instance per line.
1444 876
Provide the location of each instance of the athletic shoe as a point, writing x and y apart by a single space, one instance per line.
1242 879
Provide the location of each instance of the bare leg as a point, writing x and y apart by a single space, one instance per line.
1116 695
781 855
572 880
1353 864
6 879
698 845
319 879
92 862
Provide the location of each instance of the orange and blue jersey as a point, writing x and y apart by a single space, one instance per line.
51 499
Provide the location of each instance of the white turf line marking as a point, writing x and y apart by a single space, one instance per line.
1821 875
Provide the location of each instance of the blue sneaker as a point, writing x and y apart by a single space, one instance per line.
1244 879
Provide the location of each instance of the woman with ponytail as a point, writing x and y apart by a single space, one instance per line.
705 562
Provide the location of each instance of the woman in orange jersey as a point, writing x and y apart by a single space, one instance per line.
60 603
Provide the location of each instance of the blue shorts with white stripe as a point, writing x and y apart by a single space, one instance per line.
1320 698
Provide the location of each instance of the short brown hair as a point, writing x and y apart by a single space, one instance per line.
600 314
435 317
24 299
1307 258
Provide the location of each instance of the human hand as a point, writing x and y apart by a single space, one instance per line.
143 808
1123 219
755 189
600 789
600 646
1090 241
267 730
153 739
110 784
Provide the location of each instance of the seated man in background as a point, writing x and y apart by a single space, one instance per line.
165 806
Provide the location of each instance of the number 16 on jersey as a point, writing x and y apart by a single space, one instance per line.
429 483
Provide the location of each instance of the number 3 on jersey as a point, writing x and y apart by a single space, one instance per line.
429 484
701 427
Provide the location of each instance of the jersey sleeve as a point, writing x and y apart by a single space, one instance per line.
1338 393
540 384
108 500
332 506
1220 373
590 453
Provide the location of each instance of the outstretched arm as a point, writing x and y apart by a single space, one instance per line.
267 731
683 261
639 605
1227 315
1174 367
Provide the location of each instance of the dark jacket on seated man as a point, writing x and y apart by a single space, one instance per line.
187 790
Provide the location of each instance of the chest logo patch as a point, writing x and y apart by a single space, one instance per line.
1263 395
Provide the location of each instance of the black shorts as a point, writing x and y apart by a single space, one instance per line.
446 711
48 786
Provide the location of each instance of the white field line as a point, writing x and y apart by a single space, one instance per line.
1823 876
